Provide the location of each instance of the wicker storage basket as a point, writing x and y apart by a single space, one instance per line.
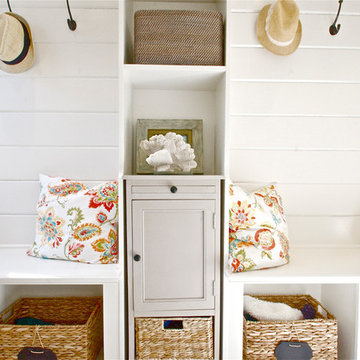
262 337
193 339
181 37
77 334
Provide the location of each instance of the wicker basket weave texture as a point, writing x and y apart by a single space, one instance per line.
179 37
77 334
194 341
262 337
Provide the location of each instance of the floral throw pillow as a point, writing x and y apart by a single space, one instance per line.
75 222
258 233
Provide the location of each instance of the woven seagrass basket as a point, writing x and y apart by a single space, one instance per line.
262 337
77 335
192 339
179 37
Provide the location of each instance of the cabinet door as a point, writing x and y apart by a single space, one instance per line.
176 243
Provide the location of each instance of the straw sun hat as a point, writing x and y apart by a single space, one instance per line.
278 27
16 46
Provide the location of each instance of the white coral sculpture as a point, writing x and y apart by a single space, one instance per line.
169 153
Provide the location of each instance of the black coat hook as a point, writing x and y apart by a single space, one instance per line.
333 29
71 22
9 6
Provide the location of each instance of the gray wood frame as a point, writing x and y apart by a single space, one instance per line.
143 125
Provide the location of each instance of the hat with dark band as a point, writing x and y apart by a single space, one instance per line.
16 46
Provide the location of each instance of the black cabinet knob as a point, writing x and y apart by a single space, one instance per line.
173 189
137 257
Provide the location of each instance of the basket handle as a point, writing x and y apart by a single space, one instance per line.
327 312
3 314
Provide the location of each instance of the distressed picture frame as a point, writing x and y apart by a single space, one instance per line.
191 130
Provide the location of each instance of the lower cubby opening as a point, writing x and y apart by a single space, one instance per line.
341 300
83 302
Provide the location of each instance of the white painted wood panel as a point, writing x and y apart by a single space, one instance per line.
17 229
328 231
297 132
72 60
300 199
315 30
305 6
330 65
49 25
69 95
76 4
81 163
59 129
26 194
294 98
295 166
19 197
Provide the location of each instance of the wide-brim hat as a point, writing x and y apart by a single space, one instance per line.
278 27
16 45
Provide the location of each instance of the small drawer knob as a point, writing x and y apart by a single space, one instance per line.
137 257
173 189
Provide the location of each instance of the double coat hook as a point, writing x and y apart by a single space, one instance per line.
333 29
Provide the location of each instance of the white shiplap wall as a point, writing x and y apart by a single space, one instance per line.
60 117
295 120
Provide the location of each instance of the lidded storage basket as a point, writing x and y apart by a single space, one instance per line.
179 37
76 335
174 338
262 337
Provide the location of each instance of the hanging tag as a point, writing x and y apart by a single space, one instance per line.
292 350
36 353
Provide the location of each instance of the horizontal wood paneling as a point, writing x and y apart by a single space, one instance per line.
330 65
72 60
294 98
323 6
49 25
40 94
324 230
286 132
61 116
301 199
21 197
17 229
295 166
59 129
315 30
76 4
80 163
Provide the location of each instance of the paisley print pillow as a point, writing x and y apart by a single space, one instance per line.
75 222
258 233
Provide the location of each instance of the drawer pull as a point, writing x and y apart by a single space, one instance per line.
173 189
137 257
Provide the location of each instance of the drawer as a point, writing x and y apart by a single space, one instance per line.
173 189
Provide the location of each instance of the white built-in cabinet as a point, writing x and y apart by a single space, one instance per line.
173 248
258 110
174 239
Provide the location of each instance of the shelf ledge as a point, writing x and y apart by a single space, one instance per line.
18 268
309 265
174 77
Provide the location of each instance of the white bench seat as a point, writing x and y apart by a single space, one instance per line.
17 267
309 265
